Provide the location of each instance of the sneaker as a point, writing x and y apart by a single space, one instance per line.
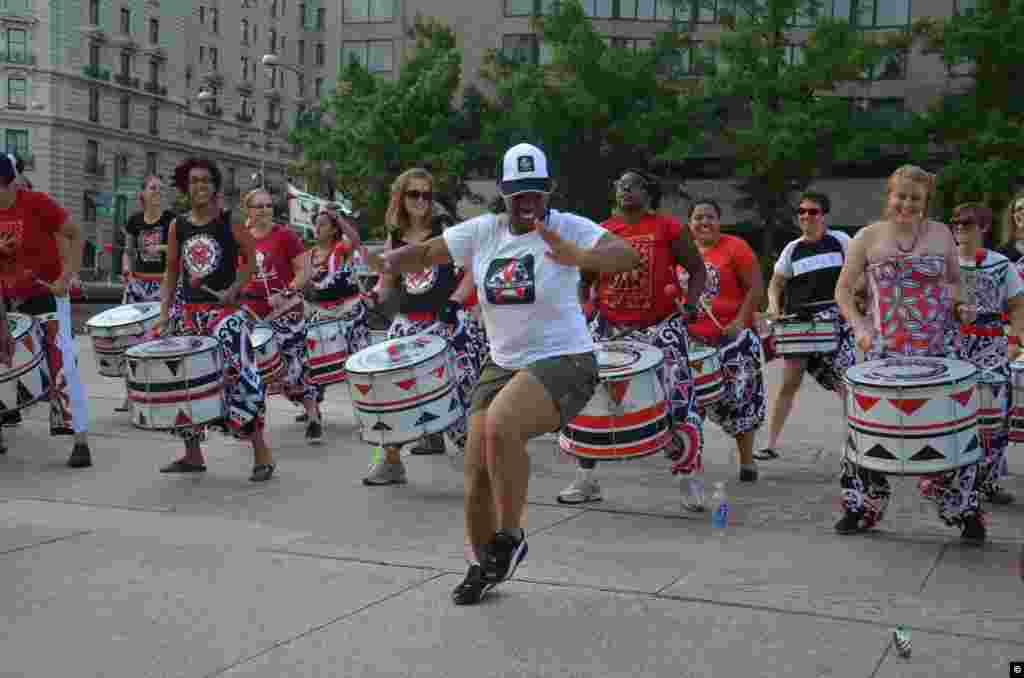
694 500
767 454
1000 497
182 466
431 444
80 456
261 473
11 419
748 475
314 433
386 474
473 588
580 491
302 418
974 529
850 523
502 556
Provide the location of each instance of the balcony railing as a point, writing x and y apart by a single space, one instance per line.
20 59
96 169
272 125
126 80
242 117
213 111
155 88
96 72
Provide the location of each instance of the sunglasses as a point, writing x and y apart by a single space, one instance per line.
630 186
420 195
267 206
811 211
964 223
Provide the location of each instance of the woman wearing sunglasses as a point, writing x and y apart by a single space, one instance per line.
271 295
433 301
806 275
1013 232
998 291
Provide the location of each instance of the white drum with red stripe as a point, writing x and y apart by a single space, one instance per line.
378 336
326 351
794 336
913 416
403 389
116 330
176 382
706 369
267 350
627 417
993 406
1017 401
27 380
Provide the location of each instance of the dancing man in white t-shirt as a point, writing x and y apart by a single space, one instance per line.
541 371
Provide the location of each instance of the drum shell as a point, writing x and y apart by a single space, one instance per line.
794 337
708 377
269 361
913 429
326 351
26 381
627 417
175 390
402 404
993 409
110 341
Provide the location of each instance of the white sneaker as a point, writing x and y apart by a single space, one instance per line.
694 500
385 474
580 491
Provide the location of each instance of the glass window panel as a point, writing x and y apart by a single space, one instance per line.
518 7
893 13
356 10
547 54
841 9
627 9
666 10
17 45
17 91
645 10
707 11
548 6
380 57
865 13
353 52
382 10
598 9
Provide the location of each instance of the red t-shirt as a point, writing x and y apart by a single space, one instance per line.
32 224
274 255
638 296
723 290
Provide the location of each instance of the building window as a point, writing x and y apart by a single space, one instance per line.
17 46
17 92
245 31
302 52
214 20
273 9
377 56
16 141
272 40
695 59
301 85
152 162
525 49
321 15
202 14
88 211
247 109
965 7
121 165
363 11
154 119
794 55
94 55
873 13
126 64
154 71
94 104
154 31
202 54
598 9
94 12
320 54
213 58
245 68
318 88
126 21
282 45
893 66
631 44
638 10
232 180
126 112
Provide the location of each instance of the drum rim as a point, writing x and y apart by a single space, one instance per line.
150 356
630 371
31 321
350 370
972 375
137 321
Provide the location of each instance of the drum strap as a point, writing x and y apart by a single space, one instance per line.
976 331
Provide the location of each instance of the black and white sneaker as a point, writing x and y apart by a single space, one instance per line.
473 588
314 433
502 556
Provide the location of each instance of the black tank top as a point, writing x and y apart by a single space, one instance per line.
209 257
147 236
429 290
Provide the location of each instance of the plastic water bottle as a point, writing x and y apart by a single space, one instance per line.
720 502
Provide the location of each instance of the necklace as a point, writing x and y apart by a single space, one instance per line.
913 242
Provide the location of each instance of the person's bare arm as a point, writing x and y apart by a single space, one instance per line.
170 283
776 287
847 285
753 282
610 254
411 258
247 248
688 256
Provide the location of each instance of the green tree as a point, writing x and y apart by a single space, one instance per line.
769 103
980 126
381 128
595 109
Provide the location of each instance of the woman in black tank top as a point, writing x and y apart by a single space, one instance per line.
432 301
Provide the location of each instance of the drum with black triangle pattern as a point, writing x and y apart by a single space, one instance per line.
176 382
27 380
116 330
1017 401
628 416
269 360
913 416
403 389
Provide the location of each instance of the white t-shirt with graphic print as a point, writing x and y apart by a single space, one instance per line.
995 281
530 304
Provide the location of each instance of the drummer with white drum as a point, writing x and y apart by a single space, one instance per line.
915 296
997 289
805 275
637 301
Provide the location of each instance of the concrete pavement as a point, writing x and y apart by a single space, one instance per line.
118 570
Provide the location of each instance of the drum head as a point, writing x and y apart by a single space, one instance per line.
396 354
699 351
18 324
908 371
623 358
260 336
170 347
129 314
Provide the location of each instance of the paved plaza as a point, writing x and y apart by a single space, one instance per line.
120 571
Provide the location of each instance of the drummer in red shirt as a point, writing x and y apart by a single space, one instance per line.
732 291
637 300
40 257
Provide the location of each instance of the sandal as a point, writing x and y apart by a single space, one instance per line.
261 472
767 454
182 466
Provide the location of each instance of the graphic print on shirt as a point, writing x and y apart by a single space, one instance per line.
11 232
712 286
150 241
511 281
420 282
634 290
202 254
262 272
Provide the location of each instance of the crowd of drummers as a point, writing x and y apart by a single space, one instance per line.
623 338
